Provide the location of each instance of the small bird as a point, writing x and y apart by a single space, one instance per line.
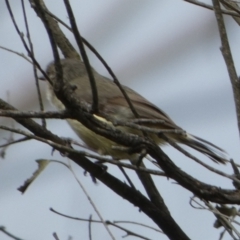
113 107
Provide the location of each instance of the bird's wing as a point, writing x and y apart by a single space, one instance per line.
118 108
113 105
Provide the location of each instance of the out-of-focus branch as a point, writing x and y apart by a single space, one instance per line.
78 39
62 42
208 6
22 38
233 6
202 190
60 92
226 51
159 216
40 101
155 208
3 229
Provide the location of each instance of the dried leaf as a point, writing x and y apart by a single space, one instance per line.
42 164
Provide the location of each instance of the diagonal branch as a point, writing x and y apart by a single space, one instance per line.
78 39
62 42
226 51
163 220
34 66
144 177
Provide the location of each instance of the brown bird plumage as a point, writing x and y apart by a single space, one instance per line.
114 107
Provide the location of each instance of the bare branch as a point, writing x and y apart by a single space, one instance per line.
91 201
232 6
17 53
3 229
128 232
200 189
34 67
84 56
62 42
23 40
114 223
205 5
226 51
162 219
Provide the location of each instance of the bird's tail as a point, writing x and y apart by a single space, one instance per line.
215 153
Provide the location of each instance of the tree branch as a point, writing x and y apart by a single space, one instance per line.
226 51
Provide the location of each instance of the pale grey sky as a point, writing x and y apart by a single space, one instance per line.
166 50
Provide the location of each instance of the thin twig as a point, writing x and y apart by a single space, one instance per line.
23 40
205 5
62 42
128 232
226 51
146 180
3 150
225 3
126 176
109 223
84 56
199 161
67 149
103 62
90 200
55 236
224 220
3 229
34 66
58 66
133 167
157 215
14 142
213 210
203 190
32 114
90 227
201 207
17 53
232 5
66 114
74 218
140 224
